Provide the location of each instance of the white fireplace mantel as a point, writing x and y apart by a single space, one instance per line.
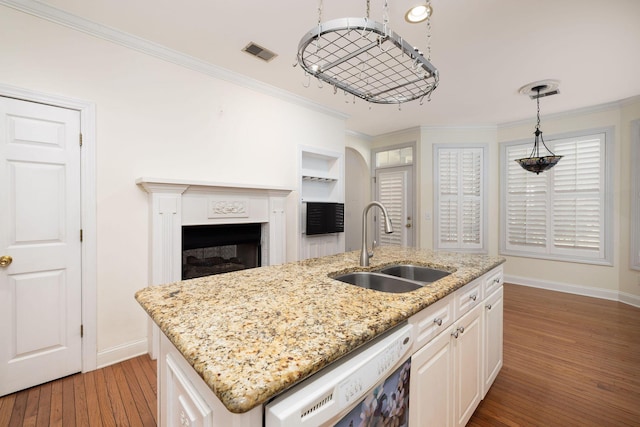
175 202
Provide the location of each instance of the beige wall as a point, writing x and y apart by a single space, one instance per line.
605 281
159 120
615 282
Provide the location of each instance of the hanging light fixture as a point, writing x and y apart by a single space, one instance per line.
536 163
367 59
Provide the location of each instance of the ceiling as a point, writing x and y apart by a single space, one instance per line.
484 50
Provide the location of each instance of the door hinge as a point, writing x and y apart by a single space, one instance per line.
81 234
80 140
81 331
374 179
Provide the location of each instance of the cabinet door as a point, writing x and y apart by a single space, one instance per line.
431 392
493 309
467 364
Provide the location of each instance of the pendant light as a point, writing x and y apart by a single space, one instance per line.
536 163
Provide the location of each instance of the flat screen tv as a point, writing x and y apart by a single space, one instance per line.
324 218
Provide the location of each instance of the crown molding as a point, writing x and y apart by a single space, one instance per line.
52 14
578 111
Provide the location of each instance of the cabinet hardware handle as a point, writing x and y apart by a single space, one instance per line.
473 297
496 280
461 329
454 334
438 322
489 307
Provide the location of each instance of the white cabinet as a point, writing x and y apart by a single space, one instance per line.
493 329
184 400
431 384
454 366
467 367
446 375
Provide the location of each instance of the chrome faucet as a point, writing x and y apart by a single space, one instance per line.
388 228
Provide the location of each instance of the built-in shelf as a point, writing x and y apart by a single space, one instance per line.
321 180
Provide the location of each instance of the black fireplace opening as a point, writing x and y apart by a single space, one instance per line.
216 249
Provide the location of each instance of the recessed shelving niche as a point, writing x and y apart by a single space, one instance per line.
321 180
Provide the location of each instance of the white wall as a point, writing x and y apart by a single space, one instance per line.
157 119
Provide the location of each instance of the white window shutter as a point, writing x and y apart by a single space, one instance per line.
560 213
392 187
459 198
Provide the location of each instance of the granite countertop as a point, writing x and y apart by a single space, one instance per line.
253 333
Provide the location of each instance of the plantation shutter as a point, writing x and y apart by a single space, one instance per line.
526 203
392 187
459 198
559 213
578 201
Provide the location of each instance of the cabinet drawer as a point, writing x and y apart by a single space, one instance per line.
467 297
431 321
493 280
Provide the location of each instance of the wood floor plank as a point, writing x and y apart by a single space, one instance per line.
44 406
31 410
129 404
6 408
117 406
19 407
68 403
144 397
104 402
94 414
55 418
81 410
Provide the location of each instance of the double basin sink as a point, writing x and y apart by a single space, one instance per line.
394 279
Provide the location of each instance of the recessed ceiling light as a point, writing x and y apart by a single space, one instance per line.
419 13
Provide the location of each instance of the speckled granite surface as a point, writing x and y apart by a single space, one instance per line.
251 334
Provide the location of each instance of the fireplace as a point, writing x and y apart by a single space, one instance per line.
177 203
215 249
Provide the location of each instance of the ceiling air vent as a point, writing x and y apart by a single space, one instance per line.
259 52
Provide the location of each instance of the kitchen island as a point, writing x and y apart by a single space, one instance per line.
252 334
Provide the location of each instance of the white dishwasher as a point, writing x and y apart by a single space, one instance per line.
364 388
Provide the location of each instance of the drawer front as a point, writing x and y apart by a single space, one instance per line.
468 297
494 279
431 321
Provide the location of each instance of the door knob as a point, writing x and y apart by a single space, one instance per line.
5 260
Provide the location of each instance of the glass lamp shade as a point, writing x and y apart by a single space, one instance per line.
538 164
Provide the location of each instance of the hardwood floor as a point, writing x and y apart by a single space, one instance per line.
568 361
119 395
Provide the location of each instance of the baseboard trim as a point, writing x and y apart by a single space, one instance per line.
122 352
575 289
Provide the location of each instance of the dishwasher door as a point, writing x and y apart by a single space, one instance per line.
372 384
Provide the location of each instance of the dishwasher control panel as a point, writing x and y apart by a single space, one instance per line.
329 394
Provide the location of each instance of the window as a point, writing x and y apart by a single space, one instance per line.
460 192
563 213
635 195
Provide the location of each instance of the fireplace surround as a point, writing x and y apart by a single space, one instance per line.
174 204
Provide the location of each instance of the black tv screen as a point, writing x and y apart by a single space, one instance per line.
325 218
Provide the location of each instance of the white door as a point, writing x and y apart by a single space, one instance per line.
394 191
40 276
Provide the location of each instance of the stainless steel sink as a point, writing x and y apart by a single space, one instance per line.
415 272
378 282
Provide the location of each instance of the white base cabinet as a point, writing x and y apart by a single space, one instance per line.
184 400
493 329
452 372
